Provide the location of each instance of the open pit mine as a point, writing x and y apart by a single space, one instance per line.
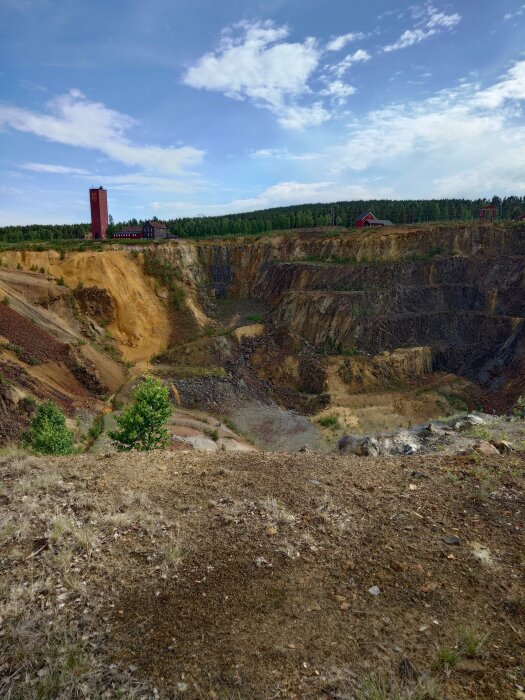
282 342
339 510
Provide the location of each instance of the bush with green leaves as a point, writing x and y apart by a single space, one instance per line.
142 425
48 434
518 409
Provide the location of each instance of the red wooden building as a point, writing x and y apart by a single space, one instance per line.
150 230
368 219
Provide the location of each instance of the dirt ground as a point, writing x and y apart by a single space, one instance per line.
258 576
140 327
35 342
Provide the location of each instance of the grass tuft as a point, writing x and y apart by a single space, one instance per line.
331 421
277 512
471 643
446 658
385 687
515 605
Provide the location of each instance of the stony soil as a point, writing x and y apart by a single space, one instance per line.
253 576
34 341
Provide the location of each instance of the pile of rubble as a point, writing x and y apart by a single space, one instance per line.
474 432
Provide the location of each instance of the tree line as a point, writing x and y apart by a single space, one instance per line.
409 211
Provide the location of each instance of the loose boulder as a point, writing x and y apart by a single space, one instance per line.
400 443
363 446
485 448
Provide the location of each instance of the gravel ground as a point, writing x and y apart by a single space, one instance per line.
34 341
262 576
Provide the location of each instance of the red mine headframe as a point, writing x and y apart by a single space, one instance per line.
488 214
98 199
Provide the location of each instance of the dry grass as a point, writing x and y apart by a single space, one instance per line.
472 643
385 687
446 658
59 548
124 573
276 512
515 604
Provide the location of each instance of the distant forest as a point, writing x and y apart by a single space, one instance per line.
282 218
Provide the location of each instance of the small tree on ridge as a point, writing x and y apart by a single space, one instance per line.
142 423
48 434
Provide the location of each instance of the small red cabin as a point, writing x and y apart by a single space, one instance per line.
520 217
365 216
368 219
488 214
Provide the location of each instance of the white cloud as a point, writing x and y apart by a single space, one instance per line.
260 66
464 140
439 20
511 87
75 121
339 42
431 22
56 169
338 91
359 56
293 192
409 38
145 181
299 117
280 194
518 13
282 154
270 153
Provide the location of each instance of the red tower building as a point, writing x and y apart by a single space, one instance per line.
98 199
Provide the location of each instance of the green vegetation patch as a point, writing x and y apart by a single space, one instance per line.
331 421
142 423
48 434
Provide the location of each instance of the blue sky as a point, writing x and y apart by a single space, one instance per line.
200 107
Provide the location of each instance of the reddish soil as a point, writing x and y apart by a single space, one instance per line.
323 530
34 341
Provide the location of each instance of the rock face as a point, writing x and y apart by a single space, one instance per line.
96 303
14 416
456 291
452 296
86 372
442 437
400 443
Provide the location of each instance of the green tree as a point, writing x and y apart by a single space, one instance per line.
142 423
48 434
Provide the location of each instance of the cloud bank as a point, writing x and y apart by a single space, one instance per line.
73 120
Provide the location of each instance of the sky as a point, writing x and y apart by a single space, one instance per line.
199 107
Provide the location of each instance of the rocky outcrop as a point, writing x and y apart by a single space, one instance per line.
15 411
245 267
451 436
493 284
96 303
400 443
456 290
85 372
363 374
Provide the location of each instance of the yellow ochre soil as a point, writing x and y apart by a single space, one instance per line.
141 326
